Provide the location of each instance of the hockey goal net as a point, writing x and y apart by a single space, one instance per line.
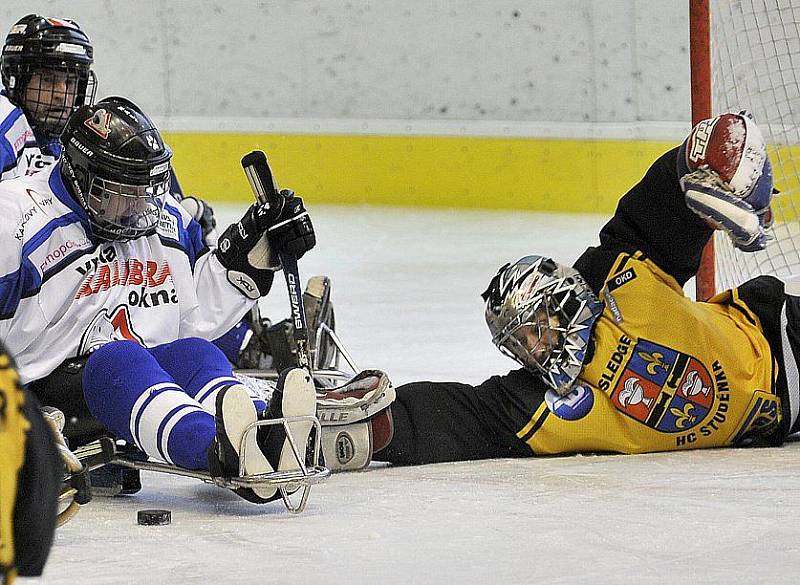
754 62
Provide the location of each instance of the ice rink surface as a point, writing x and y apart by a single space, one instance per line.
406 286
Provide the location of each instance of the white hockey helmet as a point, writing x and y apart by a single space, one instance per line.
541 314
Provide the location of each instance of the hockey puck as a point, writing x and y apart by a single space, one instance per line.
153 517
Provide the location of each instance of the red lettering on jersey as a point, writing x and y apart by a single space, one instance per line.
152 268
22 139
163 275
102 281
85 290
133 272
136 268
124 272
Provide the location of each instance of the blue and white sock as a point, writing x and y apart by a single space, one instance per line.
130 394
204 374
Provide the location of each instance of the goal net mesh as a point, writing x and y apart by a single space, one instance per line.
755 64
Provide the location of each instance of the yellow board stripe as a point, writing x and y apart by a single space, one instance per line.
559 175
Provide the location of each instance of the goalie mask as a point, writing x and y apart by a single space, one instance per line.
46 70
117 167
541 314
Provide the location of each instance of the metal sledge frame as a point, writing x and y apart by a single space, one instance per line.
323 328
98 453
328 377
104 450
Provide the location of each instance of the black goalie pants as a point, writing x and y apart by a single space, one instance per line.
447 421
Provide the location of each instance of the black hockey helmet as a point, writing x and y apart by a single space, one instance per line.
46 70
117 167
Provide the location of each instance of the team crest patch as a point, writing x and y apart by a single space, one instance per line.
667 390
573 406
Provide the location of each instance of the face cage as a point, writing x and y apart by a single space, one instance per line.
546 320
119 211
48 95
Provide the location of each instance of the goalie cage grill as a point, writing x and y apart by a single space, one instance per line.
755 65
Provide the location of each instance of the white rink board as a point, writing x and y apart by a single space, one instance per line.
405 288
611 61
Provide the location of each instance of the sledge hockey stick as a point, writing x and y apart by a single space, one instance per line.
262 182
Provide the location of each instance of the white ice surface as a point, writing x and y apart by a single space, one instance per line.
406 287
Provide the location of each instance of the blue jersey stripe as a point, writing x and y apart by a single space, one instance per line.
8 156
44 234
26 281
10 120
190 236
64 262
11 290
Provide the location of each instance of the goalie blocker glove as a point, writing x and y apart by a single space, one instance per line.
250 248
726 176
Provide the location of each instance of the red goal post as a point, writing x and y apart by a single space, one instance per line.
746 55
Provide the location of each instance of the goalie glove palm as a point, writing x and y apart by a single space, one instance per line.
726 177
250 248
725 211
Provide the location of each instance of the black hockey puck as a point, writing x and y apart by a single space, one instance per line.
153 517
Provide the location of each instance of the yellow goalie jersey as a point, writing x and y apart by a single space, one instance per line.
667 373
13 426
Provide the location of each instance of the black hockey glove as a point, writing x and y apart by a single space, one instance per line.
292 232
249 248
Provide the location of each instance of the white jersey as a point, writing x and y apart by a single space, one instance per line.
63 294
20 153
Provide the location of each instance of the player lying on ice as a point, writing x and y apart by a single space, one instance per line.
615 358
101 261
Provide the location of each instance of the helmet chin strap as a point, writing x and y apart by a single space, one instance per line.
73 185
